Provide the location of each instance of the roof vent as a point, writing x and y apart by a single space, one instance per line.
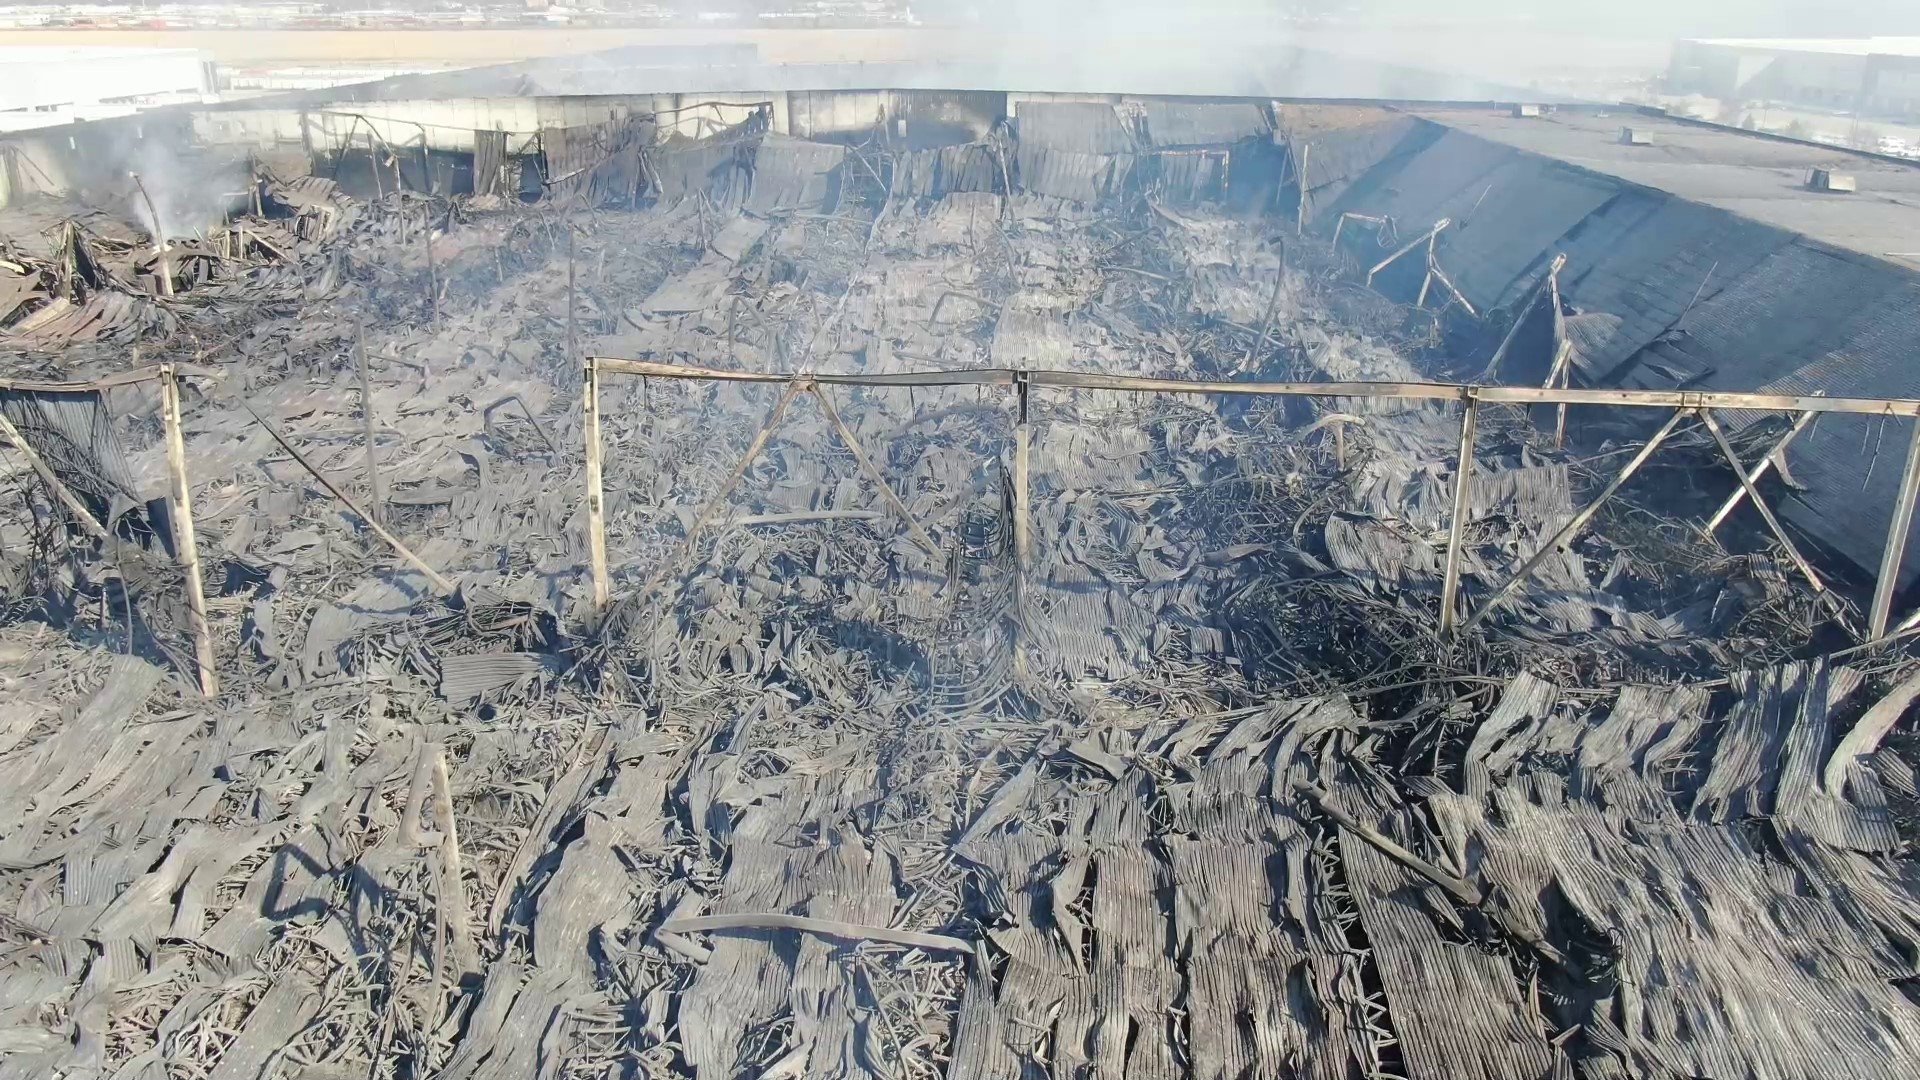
1822 180
1635 137
1528 112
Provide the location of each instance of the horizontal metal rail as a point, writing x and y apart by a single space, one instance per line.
1407 391
108 382
1684 402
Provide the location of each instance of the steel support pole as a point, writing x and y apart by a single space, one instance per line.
184 543
1897 531
1300 167
376 490
1456 527
1426 283
1022 440
596 503
1440 275
1022 526
1572 528
1562 361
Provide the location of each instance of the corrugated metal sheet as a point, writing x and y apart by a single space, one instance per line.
594 163
1790 310
717 165
1028 338
463 678
1173 124
1851 465
1678 293
489 162
793 174
1068 175
933 173
74 434
1189 176
1080 127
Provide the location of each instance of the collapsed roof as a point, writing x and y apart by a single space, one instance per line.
901 749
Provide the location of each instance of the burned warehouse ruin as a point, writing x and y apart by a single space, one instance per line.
581 569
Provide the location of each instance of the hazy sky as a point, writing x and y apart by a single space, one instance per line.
1648 18
1241 46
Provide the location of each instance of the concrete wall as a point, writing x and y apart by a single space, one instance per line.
39 78
1873 82
443 125
1821 78
449 125
1894 86
94 157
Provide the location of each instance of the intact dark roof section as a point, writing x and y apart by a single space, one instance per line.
1645 257
1335 160
1512 217
1759 178
1506 207
1788 311
1195 124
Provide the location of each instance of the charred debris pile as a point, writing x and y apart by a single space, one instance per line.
838 783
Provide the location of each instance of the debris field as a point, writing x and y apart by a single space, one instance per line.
860 772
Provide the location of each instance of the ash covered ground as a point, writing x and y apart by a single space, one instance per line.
839 784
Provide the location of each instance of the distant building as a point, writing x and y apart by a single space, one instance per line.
1875 76
41 86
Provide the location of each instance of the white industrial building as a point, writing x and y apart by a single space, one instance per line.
1877 76
41 86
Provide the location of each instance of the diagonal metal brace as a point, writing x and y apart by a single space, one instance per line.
1754 474
1573 527
1760 504
866 464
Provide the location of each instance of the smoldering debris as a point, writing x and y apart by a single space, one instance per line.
841 782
